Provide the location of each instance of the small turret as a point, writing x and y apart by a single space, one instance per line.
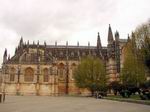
45 43
117 36
16 49
133 39
98 41
33 43
21 42
128 38
89 48
88 44
78 43
28 43
66 43
38 52
55 43
133 35
8 57
110 35
5 56
38 43
111 45
78 50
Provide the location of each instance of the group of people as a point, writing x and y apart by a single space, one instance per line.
2 97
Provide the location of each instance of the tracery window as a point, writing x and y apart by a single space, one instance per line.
29 75
53 70
73 67
12 74
61 54
72 54
61 70
45 76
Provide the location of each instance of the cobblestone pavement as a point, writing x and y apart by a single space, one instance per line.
67 104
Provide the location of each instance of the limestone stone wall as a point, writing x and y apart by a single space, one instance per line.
111 69
56 84
11 88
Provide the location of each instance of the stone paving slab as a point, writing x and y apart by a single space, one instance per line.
67 104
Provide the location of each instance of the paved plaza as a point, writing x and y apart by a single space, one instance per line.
67 104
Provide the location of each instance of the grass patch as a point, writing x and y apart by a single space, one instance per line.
132 99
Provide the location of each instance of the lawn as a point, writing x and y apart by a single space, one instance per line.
132 99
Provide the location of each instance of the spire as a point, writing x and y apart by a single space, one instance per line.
55 43
88 44
45 43
128 38
38 43
117 36
78 43
78 50
110 35
133 41
21 41
133 35
89 48
67 43
67 50
5 56
33 43
5 52
16 49
9 57
98 41
133 38
28 43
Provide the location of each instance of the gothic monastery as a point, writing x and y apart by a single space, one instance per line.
37 69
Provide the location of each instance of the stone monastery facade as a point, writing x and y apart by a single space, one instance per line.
37 69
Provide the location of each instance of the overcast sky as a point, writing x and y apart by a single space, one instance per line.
67 20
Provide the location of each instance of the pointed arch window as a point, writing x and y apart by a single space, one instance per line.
12 74
72 54
73 67
61 70
29 75
45 76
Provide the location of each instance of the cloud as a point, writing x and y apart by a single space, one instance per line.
62 20
32 18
